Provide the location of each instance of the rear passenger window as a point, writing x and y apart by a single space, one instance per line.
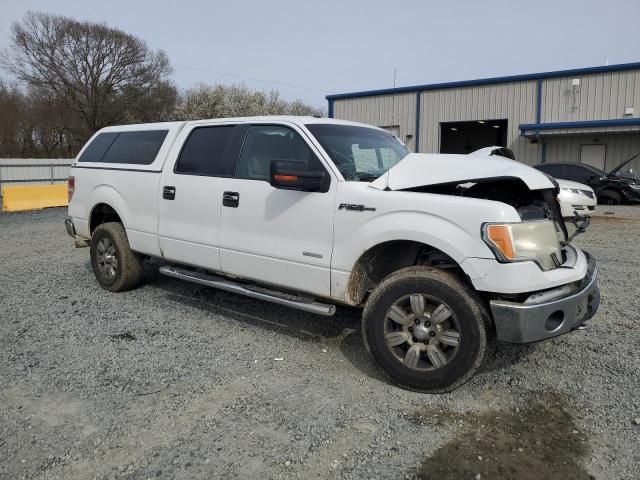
210 151
576 173
98 147
553 170
138 148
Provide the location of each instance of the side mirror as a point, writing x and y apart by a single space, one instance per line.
296 175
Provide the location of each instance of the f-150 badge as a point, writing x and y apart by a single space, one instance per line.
355 207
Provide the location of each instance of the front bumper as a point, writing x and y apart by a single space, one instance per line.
548 313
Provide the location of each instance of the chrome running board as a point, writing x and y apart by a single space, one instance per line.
253 291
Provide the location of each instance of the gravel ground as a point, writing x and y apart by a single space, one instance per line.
178 381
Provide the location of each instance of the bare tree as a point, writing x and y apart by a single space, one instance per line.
12 120
104 74
218 101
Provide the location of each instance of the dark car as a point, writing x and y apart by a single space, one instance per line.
611 188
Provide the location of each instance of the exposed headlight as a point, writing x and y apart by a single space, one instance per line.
527 241
575 190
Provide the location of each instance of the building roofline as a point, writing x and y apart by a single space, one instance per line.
527 129
487 81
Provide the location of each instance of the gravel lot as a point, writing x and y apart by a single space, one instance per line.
178 381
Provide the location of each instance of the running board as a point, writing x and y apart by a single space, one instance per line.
253 291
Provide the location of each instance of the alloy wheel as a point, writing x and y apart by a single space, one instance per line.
422 332
106 258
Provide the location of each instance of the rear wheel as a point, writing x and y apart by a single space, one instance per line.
425 329
609 197
115 266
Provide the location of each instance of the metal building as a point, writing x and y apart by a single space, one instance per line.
589 115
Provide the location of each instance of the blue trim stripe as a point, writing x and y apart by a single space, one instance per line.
487 81
417 136
616 122
330 108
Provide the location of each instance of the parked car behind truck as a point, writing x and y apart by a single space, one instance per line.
313 213
611 188
576 199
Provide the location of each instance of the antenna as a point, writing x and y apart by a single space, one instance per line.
393 119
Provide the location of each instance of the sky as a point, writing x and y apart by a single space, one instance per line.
307 50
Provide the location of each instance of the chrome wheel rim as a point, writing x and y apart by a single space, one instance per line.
106 258
422 332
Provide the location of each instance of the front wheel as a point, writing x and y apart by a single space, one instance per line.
609 197
425 329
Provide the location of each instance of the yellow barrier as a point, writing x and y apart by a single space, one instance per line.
30 197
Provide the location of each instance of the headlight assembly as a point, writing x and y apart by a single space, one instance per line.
586 193
527 241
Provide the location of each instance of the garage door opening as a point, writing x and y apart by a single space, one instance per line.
466 137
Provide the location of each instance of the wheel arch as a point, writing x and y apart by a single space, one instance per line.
384 258
108 205
102 213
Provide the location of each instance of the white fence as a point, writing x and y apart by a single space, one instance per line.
25 171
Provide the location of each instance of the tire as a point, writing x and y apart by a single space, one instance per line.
115 266
609 197
444 296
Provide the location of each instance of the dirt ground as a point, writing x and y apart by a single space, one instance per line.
178 381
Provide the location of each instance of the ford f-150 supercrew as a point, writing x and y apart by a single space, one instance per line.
443 252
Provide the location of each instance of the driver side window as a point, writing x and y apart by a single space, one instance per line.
265 143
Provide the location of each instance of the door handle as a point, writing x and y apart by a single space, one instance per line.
169 193
231 199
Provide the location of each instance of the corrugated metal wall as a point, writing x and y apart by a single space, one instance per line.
619 148
513 101
42 171
600 96
382 111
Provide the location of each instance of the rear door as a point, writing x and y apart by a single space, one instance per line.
190 192
281 237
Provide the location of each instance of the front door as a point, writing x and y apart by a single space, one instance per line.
191 193
276 236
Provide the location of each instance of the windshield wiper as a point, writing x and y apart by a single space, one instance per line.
369 177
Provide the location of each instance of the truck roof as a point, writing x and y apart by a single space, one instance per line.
298 120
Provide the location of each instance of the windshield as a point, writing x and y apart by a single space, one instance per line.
360 153
601 173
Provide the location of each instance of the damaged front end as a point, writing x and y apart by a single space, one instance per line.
527 304
541 234
486 175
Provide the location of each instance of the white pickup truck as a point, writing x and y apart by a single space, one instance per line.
442 251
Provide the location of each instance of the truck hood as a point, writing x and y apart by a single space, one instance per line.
620 165
422 169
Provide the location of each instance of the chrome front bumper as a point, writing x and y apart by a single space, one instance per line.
548 313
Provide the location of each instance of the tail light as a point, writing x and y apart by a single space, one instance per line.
71 187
